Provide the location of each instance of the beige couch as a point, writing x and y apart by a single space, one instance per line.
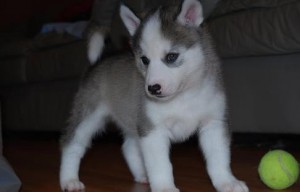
38 78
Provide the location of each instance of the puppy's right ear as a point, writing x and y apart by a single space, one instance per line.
191 13
130 20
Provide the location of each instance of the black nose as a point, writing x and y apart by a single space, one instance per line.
154 89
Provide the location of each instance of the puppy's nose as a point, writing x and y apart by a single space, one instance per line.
154 89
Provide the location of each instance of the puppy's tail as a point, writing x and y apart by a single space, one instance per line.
95 43
99 26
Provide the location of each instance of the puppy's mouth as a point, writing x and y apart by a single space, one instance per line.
158 97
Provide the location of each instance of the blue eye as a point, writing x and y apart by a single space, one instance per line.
145 60
171 57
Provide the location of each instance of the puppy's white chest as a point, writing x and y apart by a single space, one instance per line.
179 119
179 128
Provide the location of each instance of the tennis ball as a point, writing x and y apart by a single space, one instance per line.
278 169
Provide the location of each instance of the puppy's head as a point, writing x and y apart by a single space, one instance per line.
167 46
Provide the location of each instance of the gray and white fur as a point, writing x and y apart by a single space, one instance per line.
167 91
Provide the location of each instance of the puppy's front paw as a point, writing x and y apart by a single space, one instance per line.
233 186
142 180
73 185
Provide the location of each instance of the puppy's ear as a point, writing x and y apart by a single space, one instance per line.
130 20
191 13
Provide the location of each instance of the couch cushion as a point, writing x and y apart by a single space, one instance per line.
12 70
259 30
47 57
50 39
58 62
18 47
228 6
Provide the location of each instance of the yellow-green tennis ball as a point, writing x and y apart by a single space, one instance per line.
278 169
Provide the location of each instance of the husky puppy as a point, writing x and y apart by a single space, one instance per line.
169 90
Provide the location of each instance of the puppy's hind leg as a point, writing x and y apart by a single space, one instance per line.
74 148
133 156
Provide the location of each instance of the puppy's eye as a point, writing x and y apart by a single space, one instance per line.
145 60
171 57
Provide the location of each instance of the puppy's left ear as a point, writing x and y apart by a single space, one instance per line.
130 20
191 13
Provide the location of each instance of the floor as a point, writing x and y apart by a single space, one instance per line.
36 162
